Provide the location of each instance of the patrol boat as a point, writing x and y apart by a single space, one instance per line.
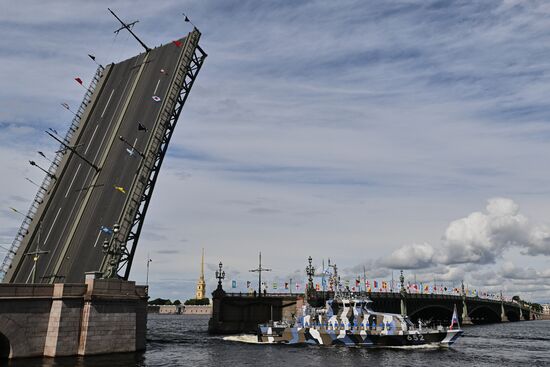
351 322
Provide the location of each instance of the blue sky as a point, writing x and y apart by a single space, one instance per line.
373 133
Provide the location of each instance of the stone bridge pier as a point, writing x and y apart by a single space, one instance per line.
100 316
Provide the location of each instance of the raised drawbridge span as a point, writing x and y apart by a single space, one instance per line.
90 209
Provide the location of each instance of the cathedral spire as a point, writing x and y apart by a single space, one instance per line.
202 264
201 284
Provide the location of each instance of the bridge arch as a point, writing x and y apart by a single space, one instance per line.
484 314
512 315
5 347
436 313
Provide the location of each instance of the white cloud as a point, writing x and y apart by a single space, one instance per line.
479 238
414 256
511 271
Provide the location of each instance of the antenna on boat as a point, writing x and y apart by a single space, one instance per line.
365 277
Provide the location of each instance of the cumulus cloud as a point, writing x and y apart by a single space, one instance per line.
479 238
414 256
511 271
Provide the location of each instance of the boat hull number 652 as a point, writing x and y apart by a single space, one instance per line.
415 337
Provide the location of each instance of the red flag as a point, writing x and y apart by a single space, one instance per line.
78 80
178 43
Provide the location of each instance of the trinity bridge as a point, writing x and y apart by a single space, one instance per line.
238 312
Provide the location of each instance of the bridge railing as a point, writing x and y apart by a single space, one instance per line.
387 293
47 181
252 295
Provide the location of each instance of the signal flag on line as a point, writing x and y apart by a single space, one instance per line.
91 57
120 188
141 127
78 80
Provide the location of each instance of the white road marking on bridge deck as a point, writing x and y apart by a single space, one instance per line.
72 181
97 239
109 100
135 142
157 87
51 227
91 139
30 273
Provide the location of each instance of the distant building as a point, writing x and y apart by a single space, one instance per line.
197 310
201 284
546 309
169 309
165 309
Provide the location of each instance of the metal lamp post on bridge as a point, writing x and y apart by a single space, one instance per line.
72 149
114 250
310 271
220 275
147 277
33 163
36 254
18 212
403 294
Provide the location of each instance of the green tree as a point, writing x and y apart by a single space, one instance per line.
160 301
197 302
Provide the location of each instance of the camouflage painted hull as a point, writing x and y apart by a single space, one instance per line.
322 336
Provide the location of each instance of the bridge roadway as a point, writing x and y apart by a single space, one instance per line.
83 200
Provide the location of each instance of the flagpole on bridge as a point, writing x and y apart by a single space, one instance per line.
259 271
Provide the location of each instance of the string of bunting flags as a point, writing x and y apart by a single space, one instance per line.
358 285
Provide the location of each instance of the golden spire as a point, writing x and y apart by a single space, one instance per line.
201 284
202 264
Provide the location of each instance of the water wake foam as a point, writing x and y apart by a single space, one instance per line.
253 339
246 338
422 346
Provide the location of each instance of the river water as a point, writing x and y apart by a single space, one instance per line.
182 340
